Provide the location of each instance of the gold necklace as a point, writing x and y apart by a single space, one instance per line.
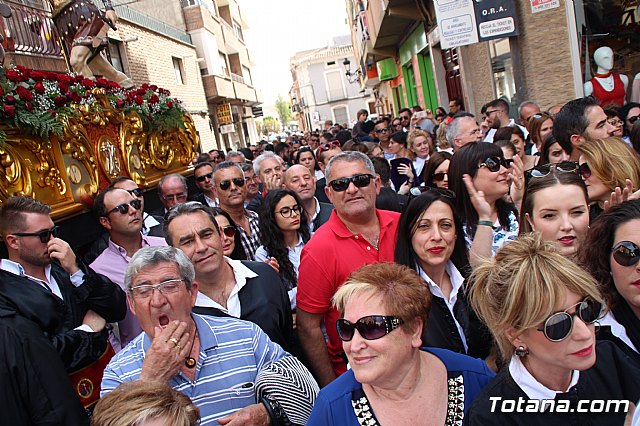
374 243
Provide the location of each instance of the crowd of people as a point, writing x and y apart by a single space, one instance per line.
424 268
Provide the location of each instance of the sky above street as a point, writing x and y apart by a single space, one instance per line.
280 28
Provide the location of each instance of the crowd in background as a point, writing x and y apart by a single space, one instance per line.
418 266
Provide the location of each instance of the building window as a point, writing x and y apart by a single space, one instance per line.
335 88
115 54
502 68
178 68
237 28
224 69
246 75
340 115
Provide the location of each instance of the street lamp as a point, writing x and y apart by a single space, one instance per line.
352 77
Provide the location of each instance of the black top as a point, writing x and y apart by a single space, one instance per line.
613 377
323 215
320 194
263 301
76 348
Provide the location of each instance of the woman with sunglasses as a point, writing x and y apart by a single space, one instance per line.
307 158
284 230
435 172
555 205
539 126
542 310
436 249
630 114
611 254
607 164
231 243
393 380
479 176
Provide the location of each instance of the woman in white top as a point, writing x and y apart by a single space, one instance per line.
421 146
542 310
611 253
284 231
431 242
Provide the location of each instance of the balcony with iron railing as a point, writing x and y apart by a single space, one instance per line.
30 30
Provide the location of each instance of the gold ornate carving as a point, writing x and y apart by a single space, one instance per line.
64 172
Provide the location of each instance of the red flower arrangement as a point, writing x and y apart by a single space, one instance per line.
37 101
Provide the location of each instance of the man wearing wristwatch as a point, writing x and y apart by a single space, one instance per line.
221 363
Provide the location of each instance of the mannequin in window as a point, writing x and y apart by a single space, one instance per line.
608 87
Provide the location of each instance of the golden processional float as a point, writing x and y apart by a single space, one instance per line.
64 137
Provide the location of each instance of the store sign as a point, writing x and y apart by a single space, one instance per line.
456 22
496 19
463 22
542 5
224 114
227 128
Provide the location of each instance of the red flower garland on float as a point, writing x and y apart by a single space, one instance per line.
38 101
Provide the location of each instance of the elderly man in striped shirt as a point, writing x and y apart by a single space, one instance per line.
214 361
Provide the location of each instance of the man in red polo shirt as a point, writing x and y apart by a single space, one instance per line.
356 234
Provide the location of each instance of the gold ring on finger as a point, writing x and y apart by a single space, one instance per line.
174 341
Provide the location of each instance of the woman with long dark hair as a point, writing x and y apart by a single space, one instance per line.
284 231
431 242
479 177
231 243
436 171
611 253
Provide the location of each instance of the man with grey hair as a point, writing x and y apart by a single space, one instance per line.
248 290
356 234
462 130
268 167
526 110
236 157
209 359
228 178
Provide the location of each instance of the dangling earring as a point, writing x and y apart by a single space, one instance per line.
521 351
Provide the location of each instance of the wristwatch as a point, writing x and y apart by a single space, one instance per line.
276 412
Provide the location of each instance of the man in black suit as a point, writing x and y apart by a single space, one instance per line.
299 179
324 154
46 264
203 175
247 290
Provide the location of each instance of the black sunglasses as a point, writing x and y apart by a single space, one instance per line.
138 192
384 129
447 193
124 207
633 119
360 181
493 164
229 231
626 253
44 235
559 325
226 184
584 170
439 177
544 169
371 327
204 177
